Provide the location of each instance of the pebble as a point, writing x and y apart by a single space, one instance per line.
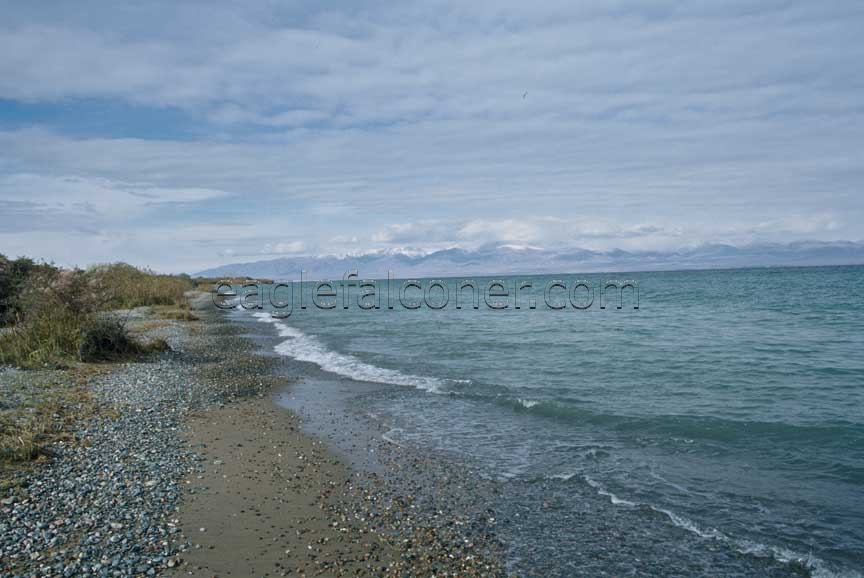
102 507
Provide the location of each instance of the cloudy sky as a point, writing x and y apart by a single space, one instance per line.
183 135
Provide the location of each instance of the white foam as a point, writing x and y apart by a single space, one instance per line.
387 436
816 566
527 403
683 522
304 347
606 493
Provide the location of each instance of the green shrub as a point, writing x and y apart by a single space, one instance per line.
52 307
105 339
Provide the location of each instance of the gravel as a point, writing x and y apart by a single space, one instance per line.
106 505
103 506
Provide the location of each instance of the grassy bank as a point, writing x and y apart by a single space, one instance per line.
56 317
61 326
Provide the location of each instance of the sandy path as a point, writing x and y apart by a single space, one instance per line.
266 498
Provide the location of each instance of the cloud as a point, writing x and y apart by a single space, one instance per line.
284 248
361 126
233 114
414 232
594 233
663 61
94 197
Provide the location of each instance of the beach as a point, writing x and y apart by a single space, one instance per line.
266 501
314 446
449 290
703 434
186 467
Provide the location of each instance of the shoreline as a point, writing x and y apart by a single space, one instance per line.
552 525
197 465
191 439
343 519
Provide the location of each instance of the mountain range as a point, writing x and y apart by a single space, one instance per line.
515 259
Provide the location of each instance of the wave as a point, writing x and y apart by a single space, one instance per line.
604 492
527 403
388 436
815 566
694 427
302 347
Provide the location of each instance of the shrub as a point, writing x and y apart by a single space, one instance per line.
124 286
56 312
15 277
48 336
58 288
105 339
60 337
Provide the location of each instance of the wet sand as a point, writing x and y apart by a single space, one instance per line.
266 501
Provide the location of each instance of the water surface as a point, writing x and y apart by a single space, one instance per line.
730 404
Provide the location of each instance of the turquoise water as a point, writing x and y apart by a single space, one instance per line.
731 403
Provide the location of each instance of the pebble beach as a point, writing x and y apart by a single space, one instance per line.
189 469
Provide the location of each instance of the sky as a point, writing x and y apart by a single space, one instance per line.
185 135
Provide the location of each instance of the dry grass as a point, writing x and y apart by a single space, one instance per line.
27 432
50 339
60 339
124 287
45 414
58 319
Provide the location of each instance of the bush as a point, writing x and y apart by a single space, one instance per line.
105 339
124 286
46 337
15 277
56 312
60 337
51 308
49 289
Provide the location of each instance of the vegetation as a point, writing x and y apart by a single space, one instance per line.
60 316
176 314
207 283
14 276
45 406
67 318
123 286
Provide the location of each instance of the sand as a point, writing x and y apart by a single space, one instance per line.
266 501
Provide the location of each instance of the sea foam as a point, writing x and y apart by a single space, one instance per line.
816 566
303 347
